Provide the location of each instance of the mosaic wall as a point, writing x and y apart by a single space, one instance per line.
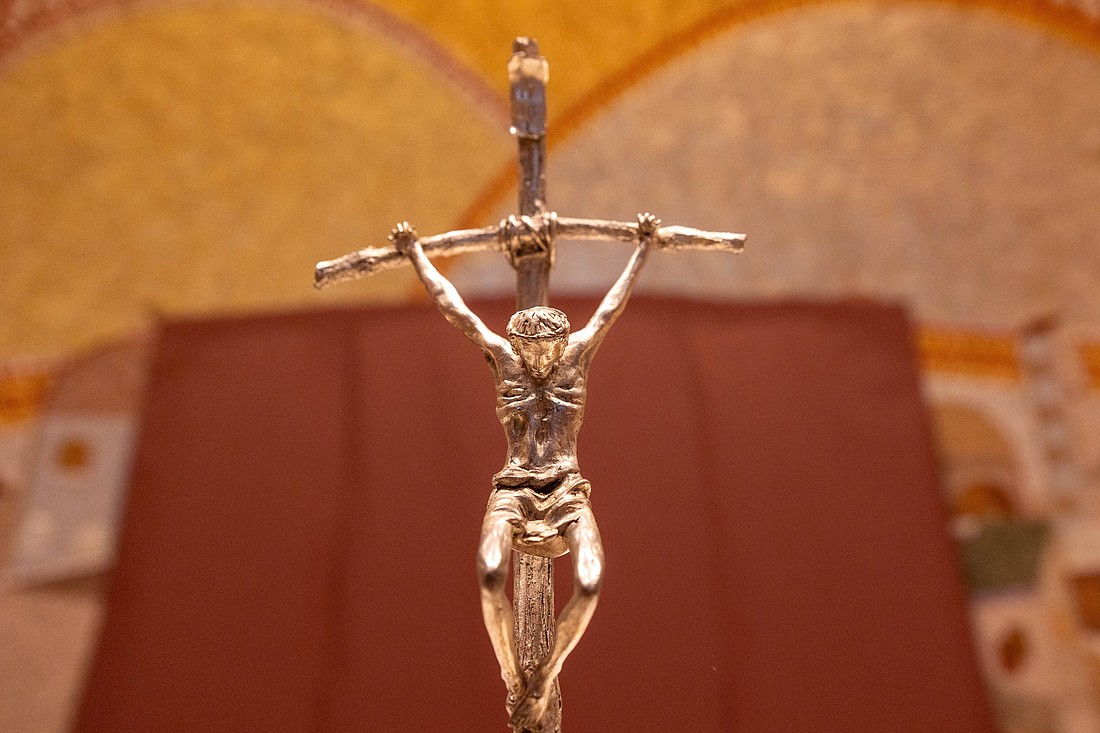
199 157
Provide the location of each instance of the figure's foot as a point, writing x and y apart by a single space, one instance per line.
515 693
510 703
532 704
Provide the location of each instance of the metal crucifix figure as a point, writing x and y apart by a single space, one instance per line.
539 505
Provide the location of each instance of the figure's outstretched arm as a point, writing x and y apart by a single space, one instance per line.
613 304
441 290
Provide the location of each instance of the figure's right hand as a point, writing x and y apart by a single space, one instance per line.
403 237
648 225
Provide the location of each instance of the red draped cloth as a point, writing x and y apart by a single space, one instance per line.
299 543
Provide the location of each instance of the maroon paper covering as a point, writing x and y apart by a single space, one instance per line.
298 550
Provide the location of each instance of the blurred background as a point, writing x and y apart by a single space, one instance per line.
166 160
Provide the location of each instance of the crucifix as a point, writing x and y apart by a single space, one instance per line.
539 506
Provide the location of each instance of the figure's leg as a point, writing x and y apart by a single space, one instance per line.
583 539
493 554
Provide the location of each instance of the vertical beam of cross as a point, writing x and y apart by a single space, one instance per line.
533 582
527 74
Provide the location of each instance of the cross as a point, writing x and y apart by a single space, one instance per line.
527 648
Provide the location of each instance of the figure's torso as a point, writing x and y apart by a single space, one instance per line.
541 419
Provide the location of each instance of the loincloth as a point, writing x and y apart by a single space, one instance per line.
541 511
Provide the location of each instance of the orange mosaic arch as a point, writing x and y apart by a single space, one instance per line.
969 352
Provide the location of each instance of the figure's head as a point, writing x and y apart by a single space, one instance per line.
539 336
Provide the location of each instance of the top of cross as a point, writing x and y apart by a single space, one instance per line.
527 238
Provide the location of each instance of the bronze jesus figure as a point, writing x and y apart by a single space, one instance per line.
540 501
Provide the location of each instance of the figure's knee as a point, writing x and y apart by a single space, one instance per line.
494 552
491 577
588 576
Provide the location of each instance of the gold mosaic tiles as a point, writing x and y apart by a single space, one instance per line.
203 159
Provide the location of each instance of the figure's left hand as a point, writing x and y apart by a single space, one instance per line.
403 237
